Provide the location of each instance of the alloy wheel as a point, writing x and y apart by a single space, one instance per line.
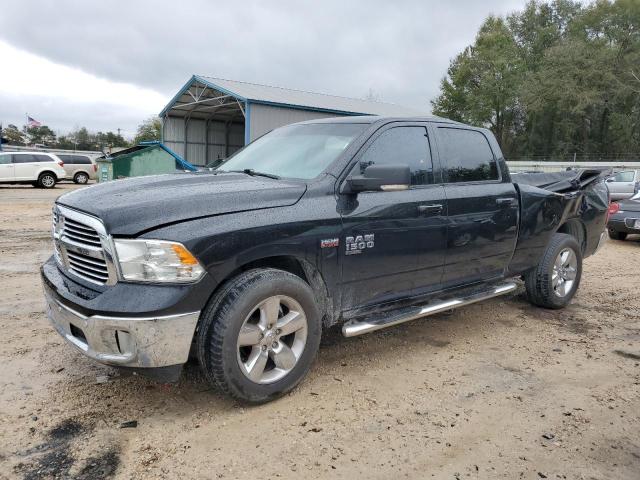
272 339
565 269
48 181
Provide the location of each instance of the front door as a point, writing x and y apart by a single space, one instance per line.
393 242
622 185
6 168
482 208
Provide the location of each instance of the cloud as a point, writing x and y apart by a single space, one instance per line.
399 49
64 97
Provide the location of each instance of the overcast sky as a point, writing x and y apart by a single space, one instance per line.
108 65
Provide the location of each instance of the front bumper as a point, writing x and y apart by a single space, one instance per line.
141 338
125 342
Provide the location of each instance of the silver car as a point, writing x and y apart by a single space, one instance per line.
624 184
79 168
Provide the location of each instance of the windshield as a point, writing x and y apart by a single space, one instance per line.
295 151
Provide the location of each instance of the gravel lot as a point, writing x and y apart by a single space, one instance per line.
496 390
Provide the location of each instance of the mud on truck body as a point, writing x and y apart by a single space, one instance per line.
365 222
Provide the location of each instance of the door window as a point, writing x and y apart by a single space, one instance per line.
26 158
5 159
467 156
68 159
624 176
405 146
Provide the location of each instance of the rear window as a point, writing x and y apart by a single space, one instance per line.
74 159
467 155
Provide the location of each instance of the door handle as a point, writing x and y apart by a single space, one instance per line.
432 209
505 202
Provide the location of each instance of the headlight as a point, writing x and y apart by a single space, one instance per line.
156 261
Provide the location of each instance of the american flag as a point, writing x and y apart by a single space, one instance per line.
32 122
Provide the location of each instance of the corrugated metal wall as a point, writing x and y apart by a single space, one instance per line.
196 151
264 118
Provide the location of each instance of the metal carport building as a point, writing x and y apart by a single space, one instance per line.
211 118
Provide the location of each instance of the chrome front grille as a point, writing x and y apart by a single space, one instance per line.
82 247
80 233
88 267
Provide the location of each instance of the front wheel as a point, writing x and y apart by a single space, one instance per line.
259 335
554 282
81 178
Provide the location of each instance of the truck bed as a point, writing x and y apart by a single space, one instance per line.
573 202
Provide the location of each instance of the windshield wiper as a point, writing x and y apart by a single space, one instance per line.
254 173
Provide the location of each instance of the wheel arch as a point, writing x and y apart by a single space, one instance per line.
295 265
42 172
576 228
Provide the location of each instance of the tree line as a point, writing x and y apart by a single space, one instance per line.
555 80
80 138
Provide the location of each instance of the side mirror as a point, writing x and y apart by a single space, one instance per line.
380 178
610 179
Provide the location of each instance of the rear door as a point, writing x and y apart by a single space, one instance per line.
482 207
29 165
25 166
393 242
6 168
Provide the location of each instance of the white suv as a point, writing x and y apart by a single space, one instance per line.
37 168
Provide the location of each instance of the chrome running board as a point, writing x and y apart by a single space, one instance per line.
358 327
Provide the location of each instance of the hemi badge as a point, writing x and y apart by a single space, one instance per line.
329 243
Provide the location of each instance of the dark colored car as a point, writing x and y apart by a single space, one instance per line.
624 218
365 222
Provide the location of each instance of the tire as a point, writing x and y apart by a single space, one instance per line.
249 303
615 235
47 180
553 286
80 178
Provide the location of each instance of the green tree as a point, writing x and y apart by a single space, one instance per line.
42 135
556 79
150 129
13 135
482 82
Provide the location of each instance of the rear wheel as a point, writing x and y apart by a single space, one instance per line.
81 178
259 335
554 282
615 235
47 180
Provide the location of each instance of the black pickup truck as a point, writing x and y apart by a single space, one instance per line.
365 222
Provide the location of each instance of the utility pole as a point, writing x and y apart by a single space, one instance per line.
118 132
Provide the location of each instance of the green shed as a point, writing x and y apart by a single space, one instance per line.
147 158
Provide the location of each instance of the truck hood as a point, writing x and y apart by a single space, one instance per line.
132 206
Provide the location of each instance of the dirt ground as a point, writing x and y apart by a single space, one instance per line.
496 390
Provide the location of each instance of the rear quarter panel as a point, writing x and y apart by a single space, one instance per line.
543 212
